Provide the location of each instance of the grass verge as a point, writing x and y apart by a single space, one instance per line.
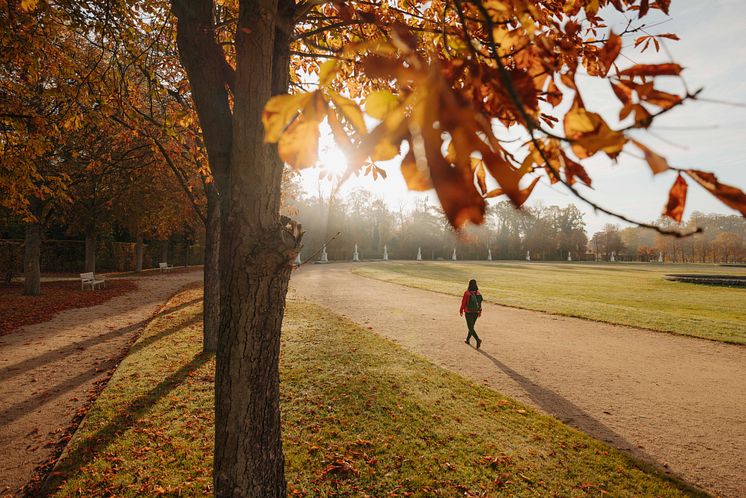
622 293
361 417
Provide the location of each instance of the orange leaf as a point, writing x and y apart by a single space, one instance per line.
730 196
668 69
493 193
657 163
676 199
608 54
417 178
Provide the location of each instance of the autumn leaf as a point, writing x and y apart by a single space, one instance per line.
350 110
676 199
493 193
380 103
730 196
658 164
668 69
299 144
417 178
589 133
608 54
279 112
28 5
327 72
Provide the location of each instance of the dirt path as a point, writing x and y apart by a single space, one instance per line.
677 402
48 370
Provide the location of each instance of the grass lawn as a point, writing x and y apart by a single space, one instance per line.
622 293
362 417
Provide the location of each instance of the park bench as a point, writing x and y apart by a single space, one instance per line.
90 279
165 267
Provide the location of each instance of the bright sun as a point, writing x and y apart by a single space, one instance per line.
332 160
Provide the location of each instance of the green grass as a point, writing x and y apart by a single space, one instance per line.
622 293
361 417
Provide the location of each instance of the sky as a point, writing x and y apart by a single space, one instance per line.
700 134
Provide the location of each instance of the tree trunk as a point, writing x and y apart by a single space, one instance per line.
31 263
164 252
90 250
256 249
139 252
255 270
211 303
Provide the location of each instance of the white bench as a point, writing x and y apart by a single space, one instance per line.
165 267
91 280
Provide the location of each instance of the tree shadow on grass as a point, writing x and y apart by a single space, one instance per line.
85 451
573 415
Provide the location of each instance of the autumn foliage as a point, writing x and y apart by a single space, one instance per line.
444 81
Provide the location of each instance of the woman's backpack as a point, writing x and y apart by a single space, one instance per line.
474 304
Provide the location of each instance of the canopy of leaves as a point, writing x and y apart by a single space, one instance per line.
443 82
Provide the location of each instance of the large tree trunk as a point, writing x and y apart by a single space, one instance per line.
255 270
211 303
90 250
139 251
256 249
31 263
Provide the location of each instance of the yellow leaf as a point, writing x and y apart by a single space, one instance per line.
29 5
577 121
350 110
299 145
327 71
279 112
380 103
384 150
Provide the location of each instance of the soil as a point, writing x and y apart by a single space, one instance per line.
676 402
49 372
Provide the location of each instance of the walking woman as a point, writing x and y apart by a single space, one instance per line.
471 304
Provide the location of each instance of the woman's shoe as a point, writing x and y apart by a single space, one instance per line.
479 343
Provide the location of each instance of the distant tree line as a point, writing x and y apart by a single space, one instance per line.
547 233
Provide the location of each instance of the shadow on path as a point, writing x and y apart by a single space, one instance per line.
86 450
566 411
18 410
75 347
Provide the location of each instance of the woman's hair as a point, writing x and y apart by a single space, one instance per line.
473 285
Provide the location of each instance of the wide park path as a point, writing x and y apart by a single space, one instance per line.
49 370
677 402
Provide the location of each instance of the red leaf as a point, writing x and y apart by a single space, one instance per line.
668 69
730 196
644 7
676 199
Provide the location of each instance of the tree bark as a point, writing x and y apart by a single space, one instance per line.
139 252
31 260
90 250
256 248
211 303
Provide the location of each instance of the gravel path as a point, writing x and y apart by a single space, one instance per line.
48 370
677 402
